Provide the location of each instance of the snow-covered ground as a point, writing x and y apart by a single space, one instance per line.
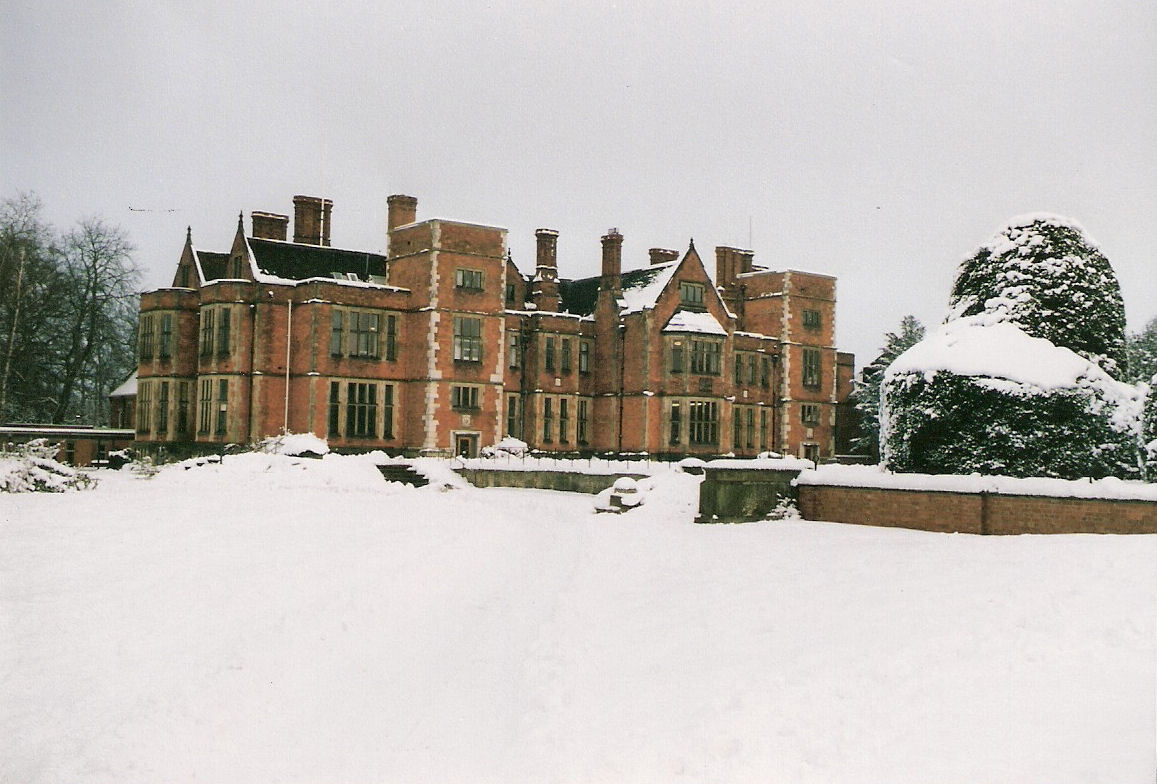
280 619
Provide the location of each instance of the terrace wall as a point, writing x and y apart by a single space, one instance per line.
733 492
976 513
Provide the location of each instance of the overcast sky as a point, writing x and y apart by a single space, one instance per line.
877 142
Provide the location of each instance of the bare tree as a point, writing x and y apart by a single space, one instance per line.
68 310
27 277
99 315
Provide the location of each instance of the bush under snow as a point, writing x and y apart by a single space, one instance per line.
1021 379
293 444
32 468
1149 430
986 397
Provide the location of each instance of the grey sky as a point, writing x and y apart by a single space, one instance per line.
879 143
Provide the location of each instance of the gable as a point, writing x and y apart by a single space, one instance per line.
188 272
691 270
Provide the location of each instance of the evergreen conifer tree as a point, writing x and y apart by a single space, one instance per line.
867 392
1023 378
1045 275
1142 351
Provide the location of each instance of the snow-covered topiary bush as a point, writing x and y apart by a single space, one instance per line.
1044 274
32 468
981 395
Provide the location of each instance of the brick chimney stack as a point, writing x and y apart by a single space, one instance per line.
612 273
269 225
311 220
544 289
730 263
663 255
403 210
746 261
547 256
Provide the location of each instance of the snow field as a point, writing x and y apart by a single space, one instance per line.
278 619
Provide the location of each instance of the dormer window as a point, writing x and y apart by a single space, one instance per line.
691 293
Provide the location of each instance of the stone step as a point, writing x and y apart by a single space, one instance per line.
401 472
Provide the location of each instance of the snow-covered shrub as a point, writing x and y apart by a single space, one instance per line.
119 458
978 396
785 509
1044 274
293 444
32 468
1149 431
507 446
145 466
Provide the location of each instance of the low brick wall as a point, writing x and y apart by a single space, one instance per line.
566 481
1010 514
929 511
975 513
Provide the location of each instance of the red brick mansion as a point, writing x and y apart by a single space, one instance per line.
443 346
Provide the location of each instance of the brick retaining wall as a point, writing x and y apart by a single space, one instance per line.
977 513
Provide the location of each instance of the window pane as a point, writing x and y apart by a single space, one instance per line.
335 334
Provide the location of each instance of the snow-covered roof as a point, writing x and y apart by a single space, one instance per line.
641 288
67 431
128 388
694 321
